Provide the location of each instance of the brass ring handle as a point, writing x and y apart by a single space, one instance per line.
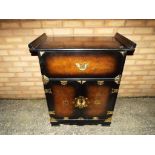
81 66
81 102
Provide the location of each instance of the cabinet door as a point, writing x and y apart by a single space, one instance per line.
101 98
60 98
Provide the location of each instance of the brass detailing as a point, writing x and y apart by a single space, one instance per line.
109 112
100 83
114 90
53 120
81 102
81 81
63 83
121 46
42 52
97 102
51 112
65 102
123 53
109 119
80 118
48 91
66 118
45 79
95 118
118 79
81 66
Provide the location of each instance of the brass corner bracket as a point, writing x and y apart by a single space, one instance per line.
45 79
123 53
118 79
108 120
109 112
53 120
42 52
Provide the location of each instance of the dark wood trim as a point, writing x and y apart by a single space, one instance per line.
130 45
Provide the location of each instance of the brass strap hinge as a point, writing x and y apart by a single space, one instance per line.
66 118
114 90
48 91
80 118
45 79
95 118
118 79
81 81
100 83
63 83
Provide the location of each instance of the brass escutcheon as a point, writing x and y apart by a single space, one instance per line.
81 102
81 66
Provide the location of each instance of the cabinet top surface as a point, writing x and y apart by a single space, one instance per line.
79 43
48 43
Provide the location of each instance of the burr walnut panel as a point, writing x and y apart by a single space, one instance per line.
63 97
82 65
98 99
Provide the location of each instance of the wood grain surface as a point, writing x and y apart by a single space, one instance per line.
100 65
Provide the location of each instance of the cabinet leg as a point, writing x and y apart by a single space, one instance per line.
55 124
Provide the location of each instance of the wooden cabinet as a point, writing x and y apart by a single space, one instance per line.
81 76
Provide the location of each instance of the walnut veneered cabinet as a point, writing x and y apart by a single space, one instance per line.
81 76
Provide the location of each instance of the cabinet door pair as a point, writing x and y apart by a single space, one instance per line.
80 99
